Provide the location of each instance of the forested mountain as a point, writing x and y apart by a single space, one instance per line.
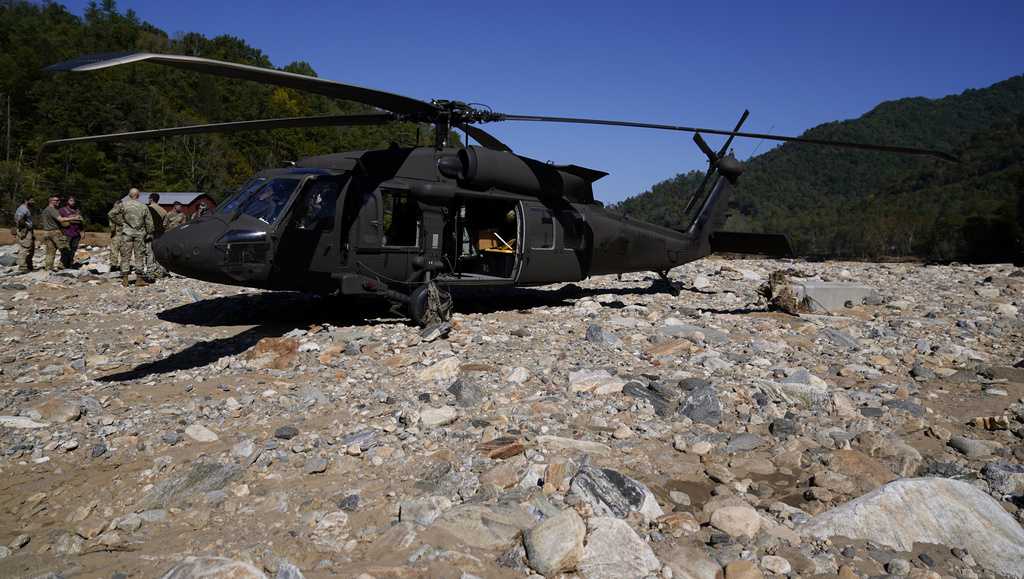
837 202
50 106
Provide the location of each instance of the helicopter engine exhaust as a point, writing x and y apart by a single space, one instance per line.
483 168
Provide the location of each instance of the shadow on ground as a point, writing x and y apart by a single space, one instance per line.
273 314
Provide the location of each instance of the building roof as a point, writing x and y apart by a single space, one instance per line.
169 198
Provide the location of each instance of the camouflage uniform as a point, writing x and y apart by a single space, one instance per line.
136 227
54 239
26 238
173 219
115 237
159 215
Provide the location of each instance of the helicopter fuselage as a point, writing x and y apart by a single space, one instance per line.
385 222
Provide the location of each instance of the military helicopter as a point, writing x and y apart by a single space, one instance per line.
410 224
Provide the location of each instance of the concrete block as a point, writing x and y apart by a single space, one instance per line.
831 297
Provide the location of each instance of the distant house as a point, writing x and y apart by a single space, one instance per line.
190 201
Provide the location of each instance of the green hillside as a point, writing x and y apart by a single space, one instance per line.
843 203
50 106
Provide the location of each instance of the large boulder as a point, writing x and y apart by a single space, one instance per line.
614 550
556 545
929 510
613 494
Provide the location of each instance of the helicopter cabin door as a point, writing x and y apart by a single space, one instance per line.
387 236
308 242
552 252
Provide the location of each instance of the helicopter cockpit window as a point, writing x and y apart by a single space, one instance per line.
318 204
267 202
243 194
401 219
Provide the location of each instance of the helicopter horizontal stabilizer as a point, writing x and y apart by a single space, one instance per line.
770 244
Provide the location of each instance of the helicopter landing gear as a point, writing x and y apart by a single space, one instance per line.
429 304
666 282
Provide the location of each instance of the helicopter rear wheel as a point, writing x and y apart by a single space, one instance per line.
429 304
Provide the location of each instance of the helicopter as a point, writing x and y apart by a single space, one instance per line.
410 224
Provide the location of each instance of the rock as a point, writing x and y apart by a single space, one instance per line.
435 417
743 570
200 433
4 552
243 449
972 448
443 370
556 544
286 570
599 382
831 297
614 551
898 567
203 477
737 520
744 442
776 565
170 438
558 443
286 432
60 412
423 511
938 511
466 393
485 527
702 405
213 568
599 335
20 422
663 407
315 465
274 353
613 494
1005 478
688 559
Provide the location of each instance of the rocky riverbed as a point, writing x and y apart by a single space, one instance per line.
600 429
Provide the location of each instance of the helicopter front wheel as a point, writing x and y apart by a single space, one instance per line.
430 304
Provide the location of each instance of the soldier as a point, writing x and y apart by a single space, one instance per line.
26 235
201 211
72 232
115 236
174 217
136 231
159 214
54 239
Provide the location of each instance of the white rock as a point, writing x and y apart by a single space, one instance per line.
201 433
213 568
614 551
20 422
434 417
446 369
556 545
598 381
776 565
929 510
517 375
737 521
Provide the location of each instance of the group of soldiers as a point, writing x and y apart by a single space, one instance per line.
133 226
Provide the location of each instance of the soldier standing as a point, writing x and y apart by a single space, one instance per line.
54 239
174 217
136 231
115 236
159 215
26 235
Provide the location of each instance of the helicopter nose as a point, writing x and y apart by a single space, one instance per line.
189 250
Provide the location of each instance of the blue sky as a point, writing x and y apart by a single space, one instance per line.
793 64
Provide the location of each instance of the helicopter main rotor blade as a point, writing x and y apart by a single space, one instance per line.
863 146
383 100
484 138
261 124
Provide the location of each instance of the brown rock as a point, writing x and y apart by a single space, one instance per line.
743 570
274 353
501 448
505 474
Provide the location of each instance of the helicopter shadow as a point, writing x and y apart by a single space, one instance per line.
271 315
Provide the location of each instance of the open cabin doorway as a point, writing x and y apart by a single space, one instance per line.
484 237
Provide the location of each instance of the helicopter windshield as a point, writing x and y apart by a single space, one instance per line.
263 199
